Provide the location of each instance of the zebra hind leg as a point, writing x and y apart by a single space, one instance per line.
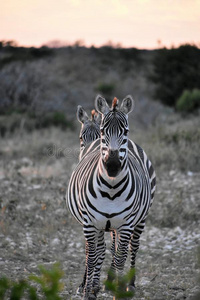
134 246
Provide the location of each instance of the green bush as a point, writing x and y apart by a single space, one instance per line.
175 70
48 282
49 286
189 101
118 286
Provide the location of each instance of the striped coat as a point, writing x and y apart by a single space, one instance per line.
111 189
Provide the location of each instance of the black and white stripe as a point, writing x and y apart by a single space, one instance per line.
111 189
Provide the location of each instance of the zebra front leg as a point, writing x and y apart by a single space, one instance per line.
91 260
101 247
82 285
134 246
112 271
122 251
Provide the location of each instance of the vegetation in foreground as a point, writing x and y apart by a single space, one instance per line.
48 286
48 283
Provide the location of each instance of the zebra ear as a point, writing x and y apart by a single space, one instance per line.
81 114
101 105
127 104
97 118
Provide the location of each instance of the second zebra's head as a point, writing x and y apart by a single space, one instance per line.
114 133
90 129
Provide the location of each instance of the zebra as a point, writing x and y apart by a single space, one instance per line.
111 189
90 129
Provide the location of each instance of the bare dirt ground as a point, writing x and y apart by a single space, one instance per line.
36 227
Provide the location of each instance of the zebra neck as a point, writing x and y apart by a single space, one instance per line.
112 181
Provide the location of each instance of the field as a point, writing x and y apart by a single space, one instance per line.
36 163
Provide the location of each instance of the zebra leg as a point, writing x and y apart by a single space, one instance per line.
111 273
134 246
101 247
82 285
91 236
122 250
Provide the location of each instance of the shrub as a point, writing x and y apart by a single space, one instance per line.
174 71
48 281
119 287
189 101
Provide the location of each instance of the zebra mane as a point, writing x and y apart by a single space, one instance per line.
93 114
115 104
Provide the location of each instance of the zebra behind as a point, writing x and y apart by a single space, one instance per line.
90 129
112 188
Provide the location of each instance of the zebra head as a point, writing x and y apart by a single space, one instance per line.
114 133
90 129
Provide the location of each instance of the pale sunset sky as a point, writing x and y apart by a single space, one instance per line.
132 23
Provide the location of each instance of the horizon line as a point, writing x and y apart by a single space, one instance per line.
56 44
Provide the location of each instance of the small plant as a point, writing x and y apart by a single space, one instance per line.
48 281
4 286
189 101
119 287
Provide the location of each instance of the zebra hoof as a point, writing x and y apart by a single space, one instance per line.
131 287
95 290
79 290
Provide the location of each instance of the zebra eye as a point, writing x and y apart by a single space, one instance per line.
102 131
126 131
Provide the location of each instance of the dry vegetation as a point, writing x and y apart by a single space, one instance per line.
37 160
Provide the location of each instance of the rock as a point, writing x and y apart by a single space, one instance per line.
55 242
180 295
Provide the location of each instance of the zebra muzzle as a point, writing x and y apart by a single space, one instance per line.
112 163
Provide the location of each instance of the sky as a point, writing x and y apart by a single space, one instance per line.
144 24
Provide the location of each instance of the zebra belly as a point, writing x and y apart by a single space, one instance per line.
114 214
108 224
110 221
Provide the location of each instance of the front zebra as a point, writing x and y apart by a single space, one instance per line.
112 188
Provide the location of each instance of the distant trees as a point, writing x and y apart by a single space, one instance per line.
176 70
28 80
